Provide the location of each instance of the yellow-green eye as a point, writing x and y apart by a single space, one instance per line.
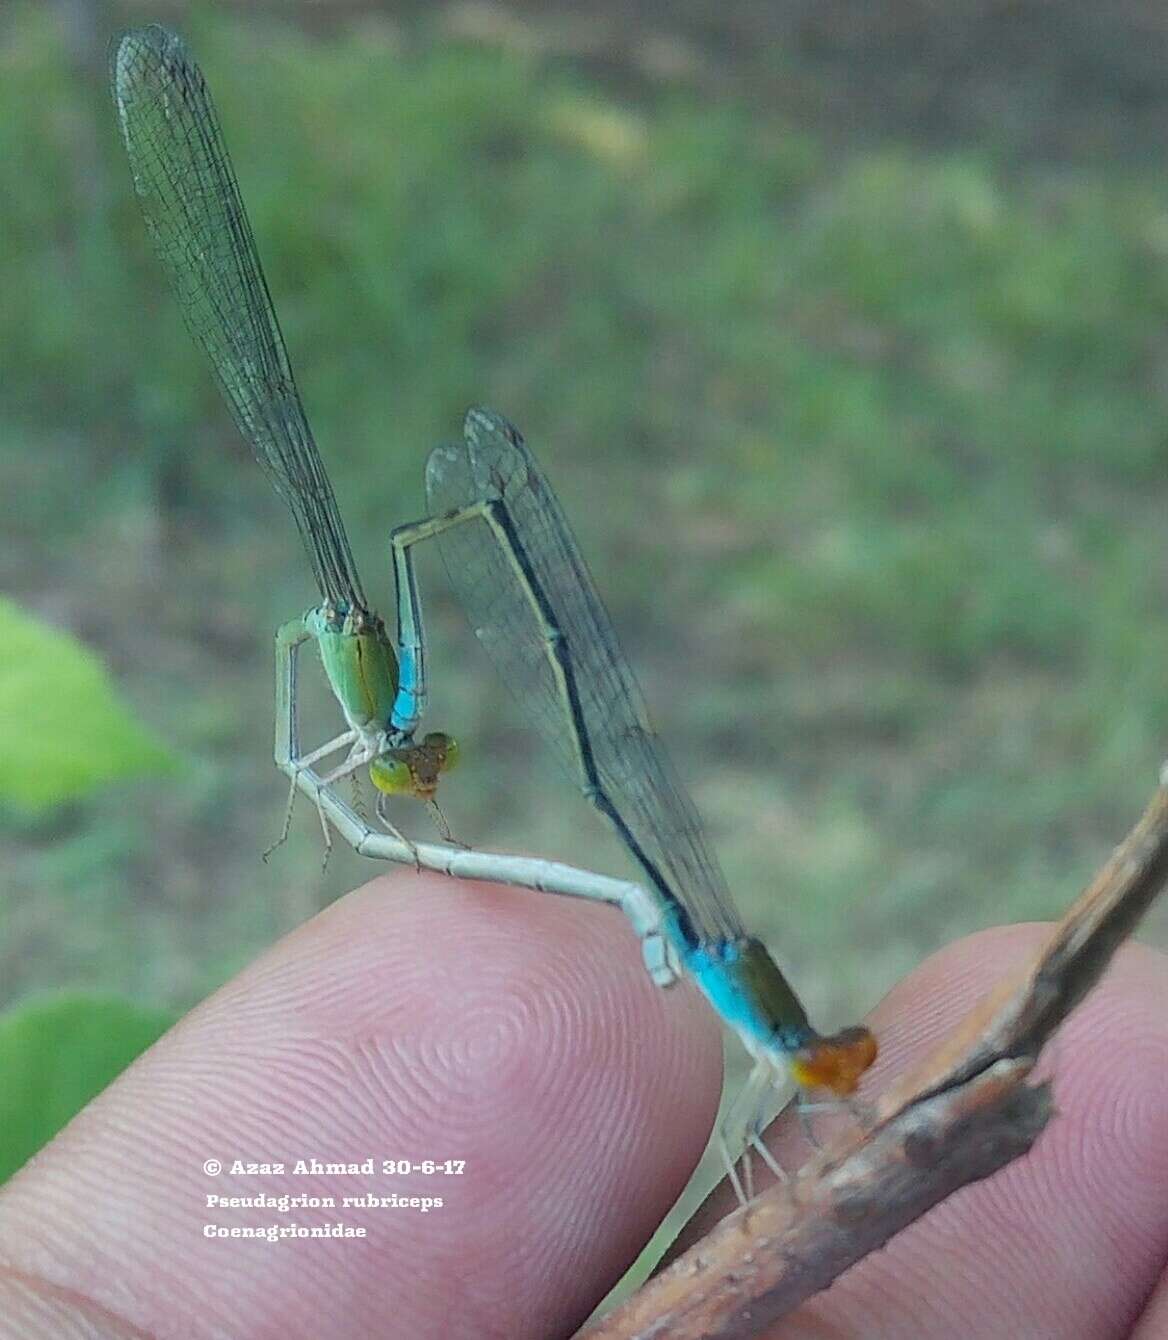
448 745
391 775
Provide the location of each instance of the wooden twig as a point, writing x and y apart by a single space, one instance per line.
960 1115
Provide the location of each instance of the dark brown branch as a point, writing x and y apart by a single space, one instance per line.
962 1114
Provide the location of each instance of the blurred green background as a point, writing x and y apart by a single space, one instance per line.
841 333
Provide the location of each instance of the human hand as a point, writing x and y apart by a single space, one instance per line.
424 1018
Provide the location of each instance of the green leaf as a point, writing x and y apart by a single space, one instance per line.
63 730
58 1053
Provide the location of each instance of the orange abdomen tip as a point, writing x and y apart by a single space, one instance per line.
835 1063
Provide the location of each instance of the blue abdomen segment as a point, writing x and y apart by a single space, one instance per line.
746 987
359 661
406 710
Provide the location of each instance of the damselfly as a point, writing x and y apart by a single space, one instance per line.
195 215
196 218
531 602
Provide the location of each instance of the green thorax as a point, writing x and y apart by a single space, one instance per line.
359 661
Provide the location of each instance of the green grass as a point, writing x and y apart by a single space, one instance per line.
866 450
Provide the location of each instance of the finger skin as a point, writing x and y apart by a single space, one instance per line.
100 1234
1068 1241
417 1018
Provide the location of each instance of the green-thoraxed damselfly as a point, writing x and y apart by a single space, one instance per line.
195 215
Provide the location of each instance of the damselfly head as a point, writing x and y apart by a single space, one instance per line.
443 747
414 769
836 1062
391 773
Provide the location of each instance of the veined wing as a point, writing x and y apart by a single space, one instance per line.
195 216
634 771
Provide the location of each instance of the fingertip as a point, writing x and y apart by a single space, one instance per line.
418 1018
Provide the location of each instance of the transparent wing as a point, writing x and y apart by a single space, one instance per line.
634 771
199 227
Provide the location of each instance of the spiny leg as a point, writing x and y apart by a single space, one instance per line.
779 1173
729 1165
289 636
733 1131
440 822
296 766
395 831
755 1130
357 798
732 1143
287 825
328 837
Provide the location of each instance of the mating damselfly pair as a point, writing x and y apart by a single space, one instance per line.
514 563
